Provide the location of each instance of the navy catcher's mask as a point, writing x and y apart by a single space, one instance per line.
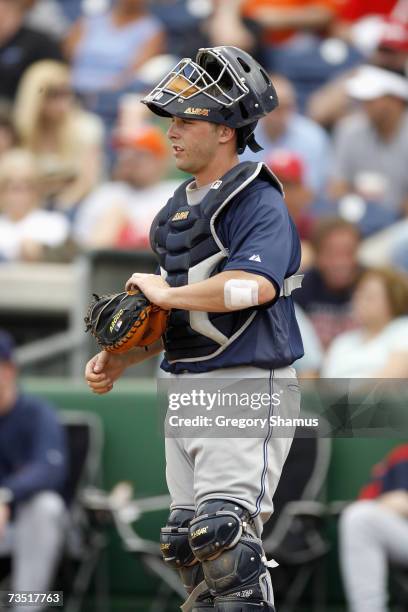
224 85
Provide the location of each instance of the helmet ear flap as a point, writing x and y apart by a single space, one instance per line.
246 138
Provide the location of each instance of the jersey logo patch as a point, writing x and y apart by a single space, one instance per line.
181 215
255 258
216 185
191 110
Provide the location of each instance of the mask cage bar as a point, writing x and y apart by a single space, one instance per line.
197 82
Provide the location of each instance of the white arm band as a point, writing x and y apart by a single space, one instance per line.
240 294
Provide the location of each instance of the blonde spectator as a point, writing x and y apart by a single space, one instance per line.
379 348
66 140
26 231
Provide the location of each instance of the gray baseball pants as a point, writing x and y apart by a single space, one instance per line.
370 537
245 470
34 540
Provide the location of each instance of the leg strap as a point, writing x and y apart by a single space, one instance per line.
193 603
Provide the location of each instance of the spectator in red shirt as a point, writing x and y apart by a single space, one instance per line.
352 10
281 19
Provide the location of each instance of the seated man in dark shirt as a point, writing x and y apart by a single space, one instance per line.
20 46
328 286
33 466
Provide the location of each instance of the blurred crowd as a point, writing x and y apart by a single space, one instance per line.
84 165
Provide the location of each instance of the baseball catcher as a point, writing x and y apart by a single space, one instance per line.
228 254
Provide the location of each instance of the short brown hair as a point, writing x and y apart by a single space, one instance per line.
328 225
396 287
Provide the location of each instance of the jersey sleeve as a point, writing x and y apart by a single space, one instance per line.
261 237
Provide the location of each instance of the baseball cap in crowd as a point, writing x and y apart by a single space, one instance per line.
371 82
147 137
287 166
394 35
7 346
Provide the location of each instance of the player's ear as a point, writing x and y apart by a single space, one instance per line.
226 134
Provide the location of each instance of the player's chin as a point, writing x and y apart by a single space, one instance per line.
183 164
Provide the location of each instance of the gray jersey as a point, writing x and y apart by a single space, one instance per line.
368 163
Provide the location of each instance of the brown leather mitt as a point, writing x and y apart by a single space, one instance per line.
122 321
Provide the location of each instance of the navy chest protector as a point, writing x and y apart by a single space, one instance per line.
189 250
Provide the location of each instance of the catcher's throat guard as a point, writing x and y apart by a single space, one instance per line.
123 321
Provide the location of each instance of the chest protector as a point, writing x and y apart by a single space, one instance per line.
189 250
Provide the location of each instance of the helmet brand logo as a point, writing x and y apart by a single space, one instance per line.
181 215
204 112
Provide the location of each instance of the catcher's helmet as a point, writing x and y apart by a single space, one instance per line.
223 85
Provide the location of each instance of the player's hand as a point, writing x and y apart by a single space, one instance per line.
4 518
103 370
153 286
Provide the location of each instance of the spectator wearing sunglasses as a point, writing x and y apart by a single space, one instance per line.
66 140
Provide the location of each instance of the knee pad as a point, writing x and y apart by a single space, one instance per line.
233 560
176 551
217 526
174 542
239 575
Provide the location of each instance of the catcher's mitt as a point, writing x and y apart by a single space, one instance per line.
125 320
